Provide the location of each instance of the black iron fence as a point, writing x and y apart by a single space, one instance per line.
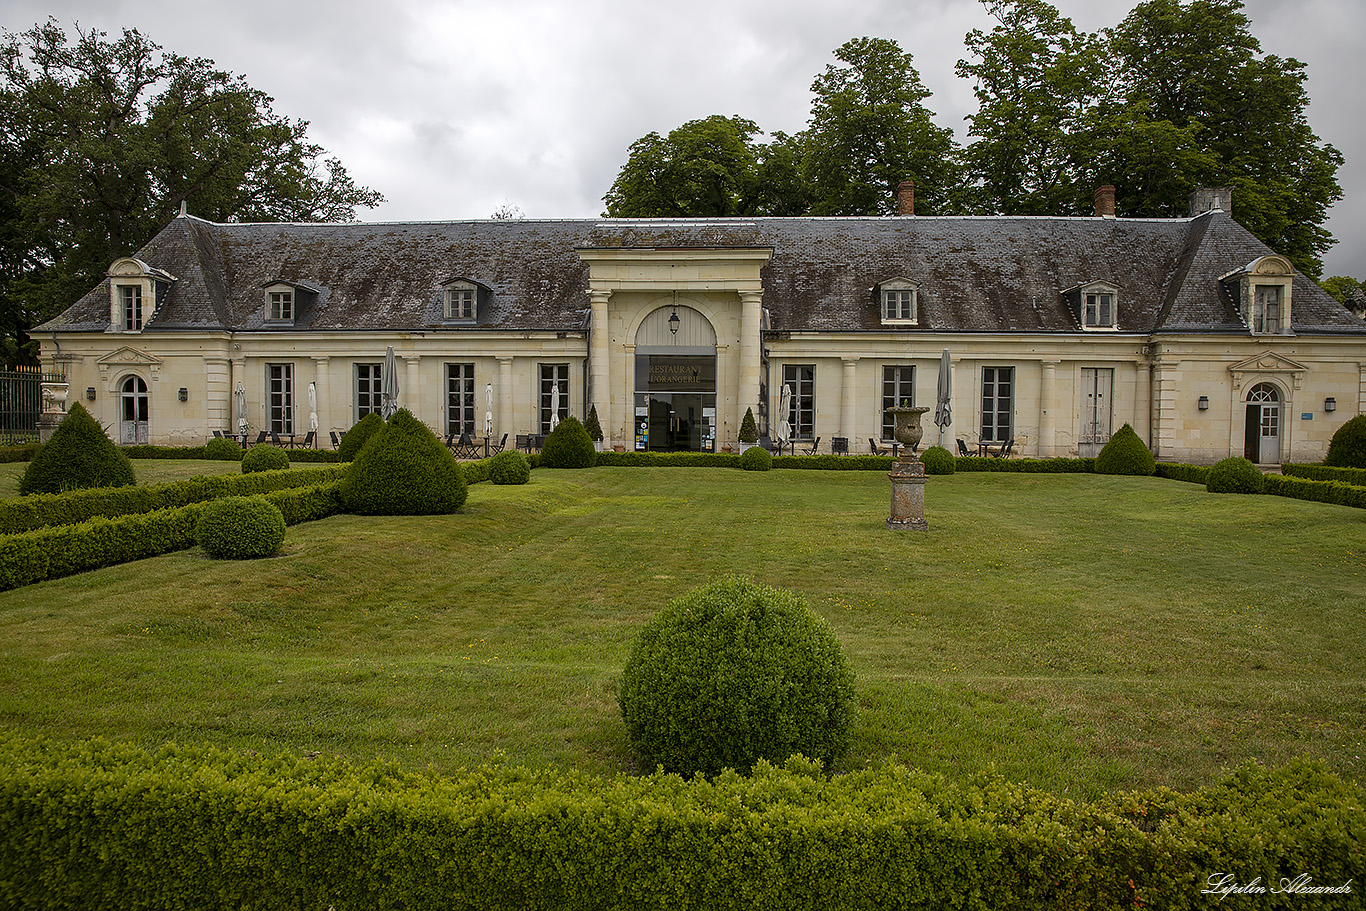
21 402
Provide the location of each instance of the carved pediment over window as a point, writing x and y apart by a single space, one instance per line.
136 291
1261 291
1268 362
128 357
898 300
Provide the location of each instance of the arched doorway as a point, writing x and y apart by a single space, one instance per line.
675 382
1262 439
133 411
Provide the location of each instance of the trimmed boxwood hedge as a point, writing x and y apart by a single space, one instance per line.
509 467
1355 476
264 458
1235 475
568 446
240 528
95 824
404 470
937 460
79 455
356 437
1347 449
1125 453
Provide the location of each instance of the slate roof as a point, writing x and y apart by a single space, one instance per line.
976 274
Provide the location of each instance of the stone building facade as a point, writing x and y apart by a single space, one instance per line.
1059 331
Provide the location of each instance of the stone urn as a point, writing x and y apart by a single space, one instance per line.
908 431
908 474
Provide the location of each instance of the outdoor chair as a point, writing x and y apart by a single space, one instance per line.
275 440
1004 452
839 446
218 434
464 447
874 448
336 440
309 439
524 442
963 449
811 450
450 440
260 438
500 445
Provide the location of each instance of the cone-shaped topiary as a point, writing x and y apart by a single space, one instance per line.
568 446
80 454
1347 449
1125 454
749 430
509 467
403 470
756 458
264 458
591 424
938 460
1235 475
733 672
240 528
223 449
354 439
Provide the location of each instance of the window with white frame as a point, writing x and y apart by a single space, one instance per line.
1099 310
801 413
280 397
369 389
130 308
460 302
460 402
998 403
554 394
898 388
900 301
280 306
1266 309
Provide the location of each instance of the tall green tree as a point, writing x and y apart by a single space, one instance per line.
102 139
1197 66
870 130
703 168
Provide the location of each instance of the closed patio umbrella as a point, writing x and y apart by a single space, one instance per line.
943 409
313 407
488 410
554 405
389 385
784 408
240 401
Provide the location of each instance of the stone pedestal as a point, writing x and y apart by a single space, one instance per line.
47 424
54 409
908 496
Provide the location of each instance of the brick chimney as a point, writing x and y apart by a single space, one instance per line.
1105 201
905 198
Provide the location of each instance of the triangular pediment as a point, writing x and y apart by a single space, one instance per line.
1268 362
129 357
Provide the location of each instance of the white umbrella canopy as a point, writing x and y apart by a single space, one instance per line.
554 405
240 400
784 407
943 410
488 410
313 407
389 385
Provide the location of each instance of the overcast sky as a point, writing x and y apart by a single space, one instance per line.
453 109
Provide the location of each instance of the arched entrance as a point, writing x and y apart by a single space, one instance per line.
1262 439
133 411
675 382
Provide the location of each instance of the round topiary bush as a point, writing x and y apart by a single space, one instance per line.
756 458
79 454
568 446
404 470
240 528
223 449
1347 449
1125 454
938 460
509 467
1235 475
733 672
264 458
354 439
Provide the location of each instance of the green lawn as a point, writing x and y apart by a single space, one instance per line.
1080 633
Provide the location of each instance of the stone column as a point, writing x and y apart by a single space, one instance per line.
599 357
320 380
848 401
411 397
751 321
504 420
1047 408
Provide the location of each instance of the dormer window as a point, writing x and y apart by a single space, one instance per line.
1262 292
130 307
460 303
280 306
899 300
1095 305
136 291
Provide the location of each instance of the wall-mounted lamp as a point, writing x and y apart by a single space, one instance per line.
1203 403
90 393
674 321
1330 404
183 394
